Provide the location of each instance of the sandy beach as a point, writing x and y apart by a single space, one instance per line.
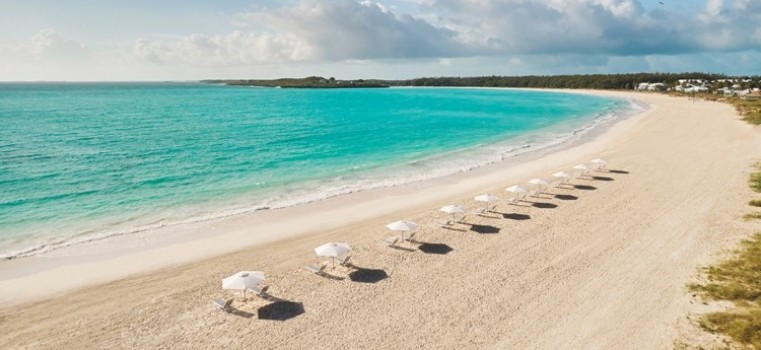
602 265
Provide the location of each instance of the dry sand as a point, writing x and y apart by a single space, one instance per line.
600 266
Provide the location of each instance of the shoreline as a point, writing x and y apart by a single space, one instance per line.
430 167
94 250
601 265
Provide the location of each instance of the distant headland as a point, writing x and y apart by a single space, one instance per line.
629 81
304 83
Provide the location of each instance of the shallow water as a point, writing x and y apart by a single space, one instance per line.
83 161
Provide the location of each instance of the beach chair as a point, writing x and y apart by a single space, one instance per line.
222 304
443 223
408 237
342 261
391 241
260 291
316 269
513 200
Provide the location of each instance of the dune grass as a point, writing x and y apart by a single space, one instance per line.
750 110
738 280
755 179
755 203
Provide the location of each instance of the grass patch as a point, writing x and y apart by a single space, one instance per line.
755 181
755 203
743 326
748 109
737 280
752 216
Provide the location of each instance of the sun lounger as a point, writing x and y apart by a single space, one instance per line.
391 241
260 291
316 269
224 305
409 236
343 261
443 223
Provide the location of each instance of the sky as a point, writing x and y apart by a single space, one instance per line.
148 40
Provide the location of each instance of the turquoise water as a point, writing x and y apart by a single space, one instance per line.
80 161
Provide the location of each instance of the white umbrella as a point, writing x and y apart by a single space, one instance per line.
453 209
516 189
243 280
402 225
333 249
486 198
563 176
600 162
519 192
582 168
538 182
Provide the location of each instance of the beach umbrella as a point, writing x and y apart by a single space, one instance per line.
516 189
453 209
540 184
333 250
600 162
242 280
582 168
486 198
562 175
402 225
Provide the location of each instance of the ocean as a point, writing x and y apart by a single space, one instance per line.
85 161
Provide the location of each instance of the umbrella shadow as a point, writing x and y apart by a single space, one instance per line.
238 312
602 178
614 171
332 277
488 215
584 187
435 248
280 310
450 228
484 229
398 247
516 216
543 205
365 275
566 197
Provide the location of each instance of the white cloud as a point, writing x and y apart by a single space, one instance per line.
426 37
47 45
312 30
236 48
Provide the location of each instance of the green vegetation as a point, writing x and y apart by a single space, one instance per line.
750 110
590 81
755 203
743 326
752 216
755 180
308 82
737 280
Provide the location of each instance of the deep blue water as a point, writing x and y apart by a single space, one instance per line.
80 159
